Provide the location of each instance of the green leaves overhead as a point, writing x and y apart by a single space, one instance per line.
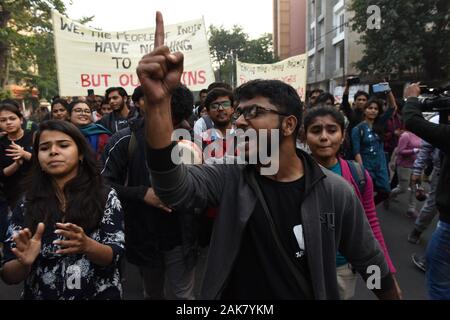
414 37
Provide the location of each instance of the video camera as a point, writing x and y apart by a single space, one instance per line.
434 99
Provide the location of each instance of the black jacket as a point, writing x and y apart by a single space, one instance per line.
148 230
113 122
438 136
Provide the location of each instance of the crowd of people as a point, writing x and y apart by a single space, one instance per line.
94 182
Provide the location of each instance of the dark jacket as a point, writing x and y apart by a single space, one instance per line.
438 136
113 122
13 185
125 169
225 186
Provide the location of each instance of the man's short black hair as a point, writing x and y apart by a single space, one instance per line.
324 97
122 92
138 93
280 94
320 91
216 93
360 93
203 91
219 85
182 103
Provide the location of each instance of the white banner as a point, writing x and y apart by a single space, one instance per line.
87 58
291 71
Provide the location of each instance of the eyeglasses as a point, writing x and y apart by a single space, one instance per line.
216 105
86 111
254 111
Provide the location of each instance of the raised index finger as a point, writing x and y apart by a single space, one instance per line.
159 30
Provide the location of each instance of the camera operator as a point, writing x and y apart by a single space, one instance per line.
438 253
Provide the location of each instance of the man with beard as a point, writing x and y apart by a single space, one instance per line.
275 236
117 98
219 105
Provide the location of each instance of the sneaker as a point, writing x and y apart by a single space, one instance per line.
414 236
419 261
412 214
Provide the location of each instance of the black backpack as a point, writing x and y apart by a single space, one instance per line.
358 174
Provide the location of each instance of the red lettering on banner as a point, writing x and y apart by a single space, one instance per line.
129 80
134 80
124 80
94 80
190 78
202 77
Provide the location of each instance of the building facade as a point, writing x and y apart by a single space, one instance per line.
331 44
289 27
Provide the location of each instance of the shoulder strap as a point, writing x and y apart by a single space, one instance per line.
208 121
299 276
358 174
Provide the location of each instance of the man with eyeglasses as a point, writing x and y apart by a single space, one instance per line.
275 236
219 105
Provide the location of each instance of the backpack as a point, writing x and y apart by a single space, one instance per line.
358 174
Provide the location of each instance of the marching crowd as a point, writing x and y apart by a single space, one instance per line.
93 182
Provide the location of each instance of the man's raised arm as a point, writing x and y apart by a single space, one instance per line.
159 73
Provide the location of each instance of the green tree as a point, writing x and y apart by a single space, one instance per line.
413 38
27 51
227 45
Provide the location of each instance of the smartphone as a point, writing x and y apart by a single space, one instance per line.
381 87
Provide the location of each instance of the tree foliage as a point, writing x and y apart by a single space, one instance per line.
414 37
227 45
27 53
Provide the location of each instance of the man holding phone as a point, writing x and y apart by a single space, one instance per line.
354 115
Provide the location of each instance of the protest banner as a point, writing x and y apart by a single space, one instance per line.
291 71
88 58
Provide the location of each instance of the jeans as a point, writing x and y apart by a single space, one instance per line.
428 211
438 263
404 178
172 281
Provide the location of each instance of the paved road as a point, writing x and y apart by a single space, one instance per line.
395 226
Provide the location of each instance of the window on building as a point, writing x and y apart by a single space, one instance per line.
321 66
320 32
341 22
312 35
339 50
311 66
320 5
338 22
312 11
